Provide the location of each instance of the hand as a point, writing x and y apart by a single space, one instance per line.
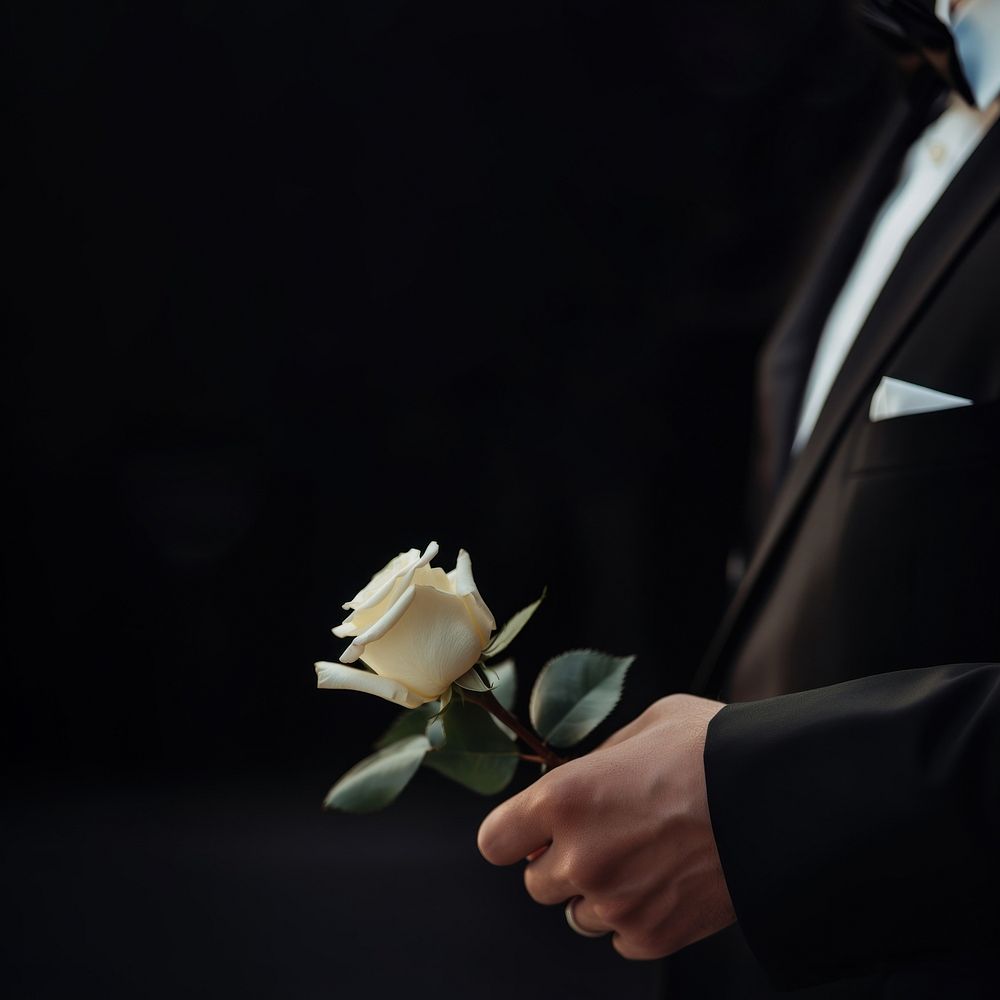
627 828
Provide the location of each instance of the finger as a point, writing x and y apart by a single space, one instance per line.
514 829
636 950
546 879
586 919
649 931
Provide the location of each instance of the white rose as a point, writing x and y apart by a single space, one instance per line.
416 626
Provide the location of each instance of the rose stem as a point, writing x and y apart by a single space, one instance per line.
487 700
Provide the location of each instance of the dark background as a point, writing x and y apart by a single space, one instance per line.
298 285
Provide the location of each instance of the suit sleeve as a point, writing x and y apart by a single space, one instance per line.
859 824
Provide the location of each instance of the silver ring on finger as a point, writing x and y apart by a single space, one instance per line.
571 920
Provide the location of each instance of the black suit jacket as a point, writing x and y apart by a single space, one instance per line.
854 782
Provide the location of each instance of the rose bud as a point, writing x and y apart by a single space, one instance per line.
417 627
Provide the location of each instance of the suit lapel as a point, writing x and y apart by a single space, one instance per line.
787 357
933 250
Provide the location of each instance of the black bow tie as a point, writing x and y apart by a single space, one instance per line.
911 26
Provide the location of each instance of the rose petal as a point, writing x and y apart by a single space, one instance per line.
461 575
435 641
381 583
364 617
389 619
403 567
429 553
377 626
372 603
434 576
337 676
465 585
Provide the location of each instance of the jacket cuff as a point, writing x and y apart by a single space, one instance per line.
845 820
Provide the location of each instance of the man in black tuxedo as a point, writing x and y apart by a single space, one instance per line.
833 824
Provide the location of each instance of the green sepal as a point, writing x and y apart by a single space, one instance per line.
509 632
472 680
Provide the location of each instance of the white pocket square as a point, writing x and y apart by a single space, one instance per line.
895 398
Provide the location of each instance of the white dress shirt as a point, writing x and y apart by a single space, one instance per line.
931 163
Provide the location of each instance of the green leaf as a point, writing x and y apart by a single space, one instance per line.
436 732
378 779
485 773
501 680
476 753
509 632
470 727
410 722
574 692
504 678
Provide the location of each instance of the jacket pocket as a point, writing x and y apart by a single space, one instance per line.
958 436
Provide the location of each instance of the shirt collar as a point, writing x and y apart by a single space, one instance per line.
975 26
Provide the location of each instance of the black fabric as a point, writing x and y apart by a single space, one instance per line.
783 368
912 26
885 789
857 821
935 317
933 325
